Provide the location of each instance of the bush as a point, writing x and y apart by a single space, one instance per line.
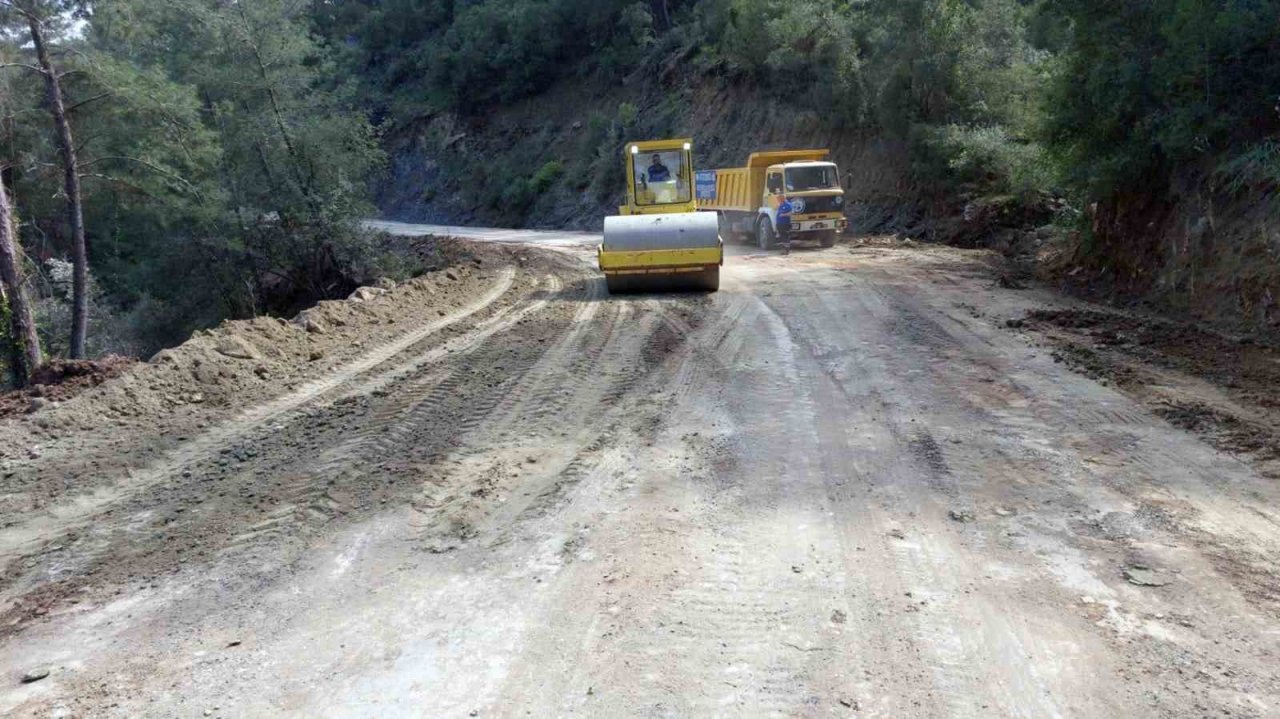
1258 166
1152 85
985 156
546 176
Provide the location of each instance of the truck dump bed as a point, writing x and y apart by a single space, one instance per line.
740 188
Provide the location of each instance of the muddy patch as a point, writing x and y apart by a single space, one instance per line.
1225 389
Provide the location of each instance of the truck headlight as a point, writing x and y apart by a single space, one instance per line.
838 200
797 205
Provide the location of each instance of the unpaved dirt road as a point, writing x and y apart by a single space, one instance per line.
840 487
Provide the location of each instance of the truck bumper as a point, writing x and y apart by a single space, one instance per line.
838 224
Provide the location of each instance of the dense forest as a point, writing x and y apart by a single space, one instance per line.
171 163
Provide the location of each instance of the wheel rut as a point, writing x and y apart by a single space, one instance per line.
256 492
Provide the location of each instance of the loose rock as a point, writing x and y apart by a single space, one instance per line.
364 294
308 322
236 348
1144 576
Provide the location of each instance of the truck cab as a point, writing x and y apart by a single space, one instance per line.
811 191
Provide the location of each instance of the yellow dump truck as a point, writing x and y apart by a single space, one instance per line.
659 241
752 202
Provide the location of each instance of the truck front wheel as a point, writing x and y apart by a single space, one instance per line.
764 233
828 238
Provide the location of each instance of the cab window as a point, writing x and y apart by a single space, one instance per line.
660 178
815 177
774 183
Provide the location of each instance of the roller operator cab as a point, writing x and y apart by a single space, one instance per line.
780 196
658 240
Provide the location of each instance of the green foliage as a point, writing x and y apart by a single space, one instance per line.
1257 166
224 162
546 176
628 114
985 157
428 55
1148 86
895 66
925 69
294 152
810 49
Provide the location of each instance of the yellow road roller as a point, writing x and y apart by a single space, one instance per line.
659 241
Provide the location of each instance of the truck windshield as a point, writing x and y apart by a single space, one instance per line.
661 178
814 177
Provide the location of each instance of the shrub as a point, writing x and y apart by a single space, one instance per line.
546 176
985 156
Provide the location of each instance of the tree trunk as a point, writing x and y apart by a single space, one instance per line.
71 182
24 342
661 13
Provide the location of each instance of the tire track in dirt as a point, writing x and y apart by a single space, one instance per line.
402 423
401 436
570 512
585 394
923 564
999 471
307 497
620 383
730 604
737 628
560 376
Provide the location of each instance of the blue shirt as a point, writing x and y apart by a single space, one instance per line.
659 173
784 213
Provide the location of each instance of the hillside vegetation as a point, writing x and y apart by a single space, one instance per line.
227 149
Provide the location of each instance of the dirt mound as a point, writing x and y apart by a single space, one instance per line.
78 442
63 373
60 380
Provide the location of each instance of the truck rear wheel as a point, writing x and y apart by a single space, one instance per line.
764 234
827 238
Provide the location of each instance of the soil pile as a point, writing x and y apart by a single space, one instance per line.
151 407
61 380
